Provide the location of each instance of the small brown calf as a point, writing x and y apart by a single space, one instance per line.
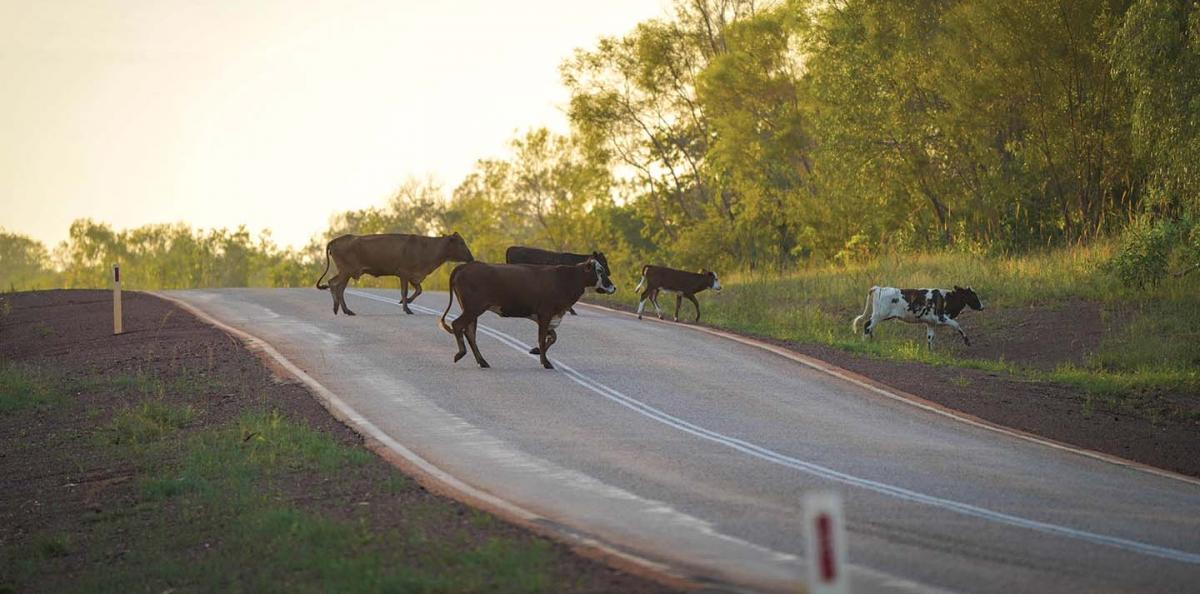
681 282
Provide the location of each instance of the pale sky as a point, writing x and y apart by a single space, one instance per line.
275 114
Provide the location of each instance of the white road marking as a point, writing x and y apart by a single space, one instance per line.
825 472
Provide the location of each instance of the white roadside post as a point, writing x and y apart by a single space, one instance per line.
825 544
117 299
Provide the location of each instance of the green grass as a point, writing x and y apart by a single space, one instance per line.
1156 347
212 510
148 421
228 473
23 388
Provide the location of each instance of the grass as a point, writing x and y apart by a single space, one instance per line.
23 388
227 474
148 421
1155 347
215 507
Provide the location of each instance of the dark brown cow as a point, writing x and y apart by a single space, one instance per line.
519 254
680 282
540 293
410 257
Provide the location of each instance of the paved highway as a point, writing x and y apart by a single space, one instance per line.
695 451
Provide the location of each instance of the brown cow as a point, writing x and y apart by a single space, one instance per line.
540 293
410 257
680 282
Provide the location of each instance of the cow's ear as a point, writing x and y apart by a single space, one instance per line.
957 288
596 255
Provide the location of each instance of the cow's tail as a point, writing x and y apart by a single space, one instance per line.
866 309
442 320
642 282
322 277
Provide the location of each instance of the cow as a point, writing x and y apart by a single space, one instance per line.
680 282
932 307
540 293
519 254
410 257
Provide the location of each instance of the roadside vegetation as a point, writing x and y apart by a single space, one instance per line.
1043 153
1148 345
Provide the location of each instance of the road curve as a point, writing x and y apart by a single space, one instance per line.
694 450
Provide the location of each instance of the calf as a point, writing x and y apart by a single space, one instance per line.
519 254
680 282
932 307
410 257
540 293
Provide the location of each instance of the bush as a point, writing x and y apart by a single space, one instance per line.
1149 246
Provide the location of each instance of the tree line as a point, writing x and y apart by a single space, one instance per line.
763 136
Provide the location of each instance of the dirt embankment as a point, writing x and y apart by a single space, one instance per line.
118 482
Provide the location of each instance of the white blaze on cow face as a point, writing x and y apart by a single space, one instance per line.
716 285
603 284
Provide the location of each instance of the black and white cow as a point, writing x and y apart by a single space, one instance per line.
932 307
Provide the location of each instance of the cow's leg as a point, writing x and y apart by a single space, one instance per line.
961 332
333 283
458 326
654 301
340 291
404 295
678 302
410 298
642 302
544 341
416 293
464 326
692 298
470 331
929 337
869 327
551 339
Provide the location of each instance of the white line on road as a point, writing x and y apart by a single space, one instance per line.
822 471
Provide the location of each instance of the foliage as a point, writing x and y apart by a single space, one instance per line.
747 136
24 263
1148 246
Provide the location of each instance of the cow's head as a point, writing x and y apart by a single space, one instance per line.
713 283
969 297
603 283
599 257
456 248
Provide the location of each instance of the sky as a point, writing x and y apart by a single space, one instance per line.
272 114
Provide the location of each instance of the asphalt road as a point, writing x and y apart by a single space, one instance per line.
696 450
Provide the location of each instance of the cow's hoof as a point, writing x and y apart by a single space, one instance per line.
639 317
348 312
484 365
547 365
535 351
458 356
408 311
674 319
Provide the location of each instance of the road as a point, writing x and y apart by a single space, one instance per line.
695 451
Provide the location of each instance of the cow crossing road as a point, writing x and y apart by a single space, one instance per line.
695 451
